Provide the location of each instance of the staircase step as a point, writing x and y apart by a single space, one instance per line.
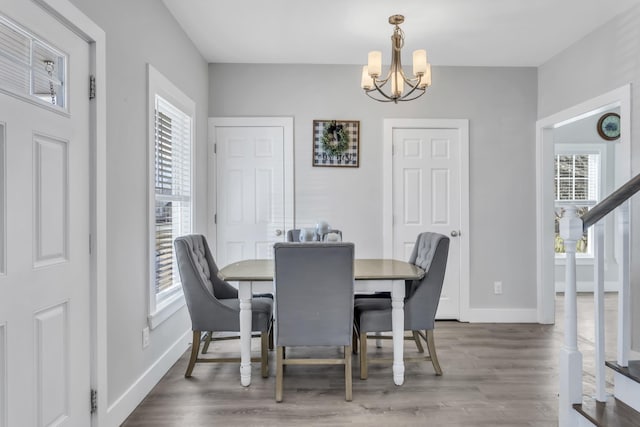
631 372
612 413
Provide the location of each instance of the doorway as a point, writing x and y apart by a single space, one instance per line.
545 200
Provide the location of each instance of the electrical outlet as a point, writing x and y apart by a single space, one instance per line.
497 288
145 337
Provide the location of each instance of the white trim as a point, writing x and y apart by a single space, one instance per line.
78 22
626 390
502 315
158 84
286 123
462 125
124 405
166 309
545 260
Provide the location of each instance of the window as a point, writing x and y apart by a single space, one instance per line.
576 182
30 68
171 147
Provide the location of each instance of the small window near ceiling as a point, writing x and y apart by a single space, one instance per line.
576 182
171 149
30 68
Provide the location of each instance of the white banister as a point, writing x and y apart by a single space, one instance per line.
570 357
624 293
598 294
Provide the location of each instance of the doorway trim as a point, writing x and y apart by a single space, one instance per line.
462 125
286 123
74 19
545 263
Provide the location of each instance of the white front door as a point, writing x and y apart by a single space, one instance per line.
427 192
254 192
45 282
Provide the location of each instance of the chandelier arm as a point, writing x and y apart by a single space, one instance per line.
377 99
379 89
404 98
413 88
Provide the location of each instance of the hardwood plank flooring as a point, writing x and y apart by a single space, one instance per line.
494 375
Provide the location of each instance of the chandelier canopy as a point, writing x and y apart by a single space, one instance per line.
374 85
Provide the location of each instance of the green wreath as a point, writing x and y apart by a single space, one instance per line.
337 133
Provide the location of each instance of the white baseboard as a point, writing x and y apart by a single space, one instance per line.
501 315
588 286
627 390
130 399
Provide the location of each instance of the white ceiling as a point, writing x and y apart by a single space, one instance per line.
454 32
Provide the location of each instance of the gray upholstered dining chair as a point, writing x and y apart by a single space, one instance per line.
314 303
373 314
213 303
293 235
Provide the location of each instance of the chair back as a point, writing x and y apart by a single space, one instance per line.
293 235
314 293
200 282
421 303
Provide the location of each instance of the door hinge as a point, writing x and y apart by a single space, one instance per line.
92 86
215 148
215 218
94 401
89 244
393 150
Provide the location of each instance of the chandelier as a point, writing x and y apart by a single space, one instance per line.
374 85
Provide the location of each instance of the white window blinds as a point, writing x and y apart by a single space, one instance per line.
31 68
173 198
576 177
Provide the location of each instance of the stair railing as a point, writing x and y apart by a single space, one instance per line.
572 228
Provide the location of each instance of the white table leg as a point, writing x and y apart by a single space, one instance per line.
244 294
397 324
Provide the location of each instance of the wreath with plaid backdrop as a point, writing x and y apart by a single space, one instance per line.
335 133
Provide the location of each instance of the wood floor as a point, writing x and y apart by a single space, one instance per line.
494 375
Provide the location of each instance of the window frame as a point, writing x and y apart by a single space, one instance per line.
576 149
164 304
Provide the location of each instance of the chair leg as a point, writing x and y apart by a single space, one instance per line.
416 338
271 336
363 356
207 341
279 366
195 347
347 374
264 353
431 345
354 340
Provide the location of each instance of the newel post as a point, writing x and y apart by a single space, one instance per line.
570 357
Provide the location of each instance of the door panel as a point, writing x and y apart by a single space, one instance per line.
44 291
250 191
426 197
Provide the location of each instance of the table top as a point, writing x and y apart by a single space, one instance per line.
261 270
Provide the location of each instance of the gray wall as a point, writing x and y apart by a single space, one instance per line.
501 105
138 32
602 61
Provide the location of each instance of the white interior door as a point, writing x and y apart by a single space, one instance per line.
253 194
45 282
426 197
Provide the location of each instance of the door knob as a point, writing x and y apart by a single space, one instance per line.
278 232
455 233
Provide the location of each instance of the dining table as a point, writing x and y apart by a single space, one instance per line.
371 275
